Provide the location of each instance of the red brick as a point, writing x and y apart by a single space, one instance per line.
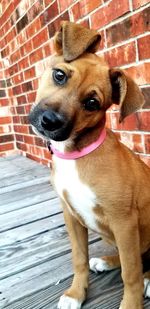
22 99
13 69
21 129
33 27
36 56
140 73
19 138
113 10
144 47
16 119
49 14
20 110
5 16
36 151
84 7
7 26
5 129
35 10
137 143
147 142
146 93
17 79
85 23
146 159
4 101
28 108
64 4
28 139
26 48
6 147
129 27
6 138
31 97
47 50
24 119
17 90
121 55
144 123
130 123
47 2
35 84
55 25
23 63
39 141
40 38
30 73
138 3
21 146
5 120
5 52
32 157
27 86
21 37
47 154
140 22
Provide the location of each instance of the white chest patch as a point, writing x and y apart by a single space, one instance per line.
81 197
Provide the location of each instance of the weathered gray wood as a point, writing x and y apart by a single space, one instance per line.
23 185
42 275
30 230
35 253
34 198
29 214
19 257
25 193
23 177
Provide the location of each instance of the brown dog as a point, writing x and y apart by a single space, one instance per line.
102 184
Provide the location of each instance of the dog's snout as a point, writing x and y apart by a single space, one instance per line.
51 120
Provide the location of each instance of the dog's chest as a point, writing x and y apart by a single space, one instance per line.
79 195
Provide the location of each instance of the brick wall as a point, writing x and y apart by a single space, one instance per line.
26 31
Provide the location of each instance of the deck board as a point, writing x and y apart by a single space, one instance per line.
35 254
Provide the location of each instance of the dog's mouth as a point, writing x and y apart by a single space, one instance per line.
50 124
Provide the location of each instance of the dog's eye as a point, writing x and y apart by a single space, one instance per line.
59 77
91 104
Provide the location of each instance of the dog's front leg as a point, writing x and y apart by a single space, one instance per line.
76 294
127 239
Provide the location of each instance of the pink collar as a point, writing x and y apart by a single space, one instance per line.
78 154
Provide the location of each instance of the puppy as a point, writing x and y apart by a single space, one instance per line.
102 185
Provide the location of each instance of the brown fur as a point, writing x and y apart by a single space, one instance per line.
120 181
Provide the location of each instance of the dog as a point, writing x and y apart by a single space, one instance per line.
102 185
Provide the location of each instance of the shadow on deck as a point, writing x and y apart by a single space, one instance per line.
35 256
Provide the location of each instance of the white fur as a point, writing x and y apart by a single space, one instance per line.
81 197
67 302
98 264
147 287
60 146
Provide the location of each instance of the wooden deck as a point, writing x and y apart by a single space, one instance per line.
35 257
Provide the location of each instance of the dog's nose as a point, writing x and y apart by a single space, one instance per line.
51 121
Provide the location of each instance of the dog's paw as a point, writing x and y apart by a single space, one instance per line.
147 287
67 302
99 265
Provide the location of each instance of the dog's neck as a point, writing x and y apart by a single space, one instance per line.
81 145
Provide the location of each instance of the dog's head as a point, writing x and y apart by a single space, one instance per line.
78 87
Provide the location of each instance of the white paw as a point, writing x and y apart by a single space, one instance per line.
67 302
98 264
147 288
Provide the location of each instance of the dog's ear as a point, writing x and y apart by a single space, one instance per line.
125 92
72 40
